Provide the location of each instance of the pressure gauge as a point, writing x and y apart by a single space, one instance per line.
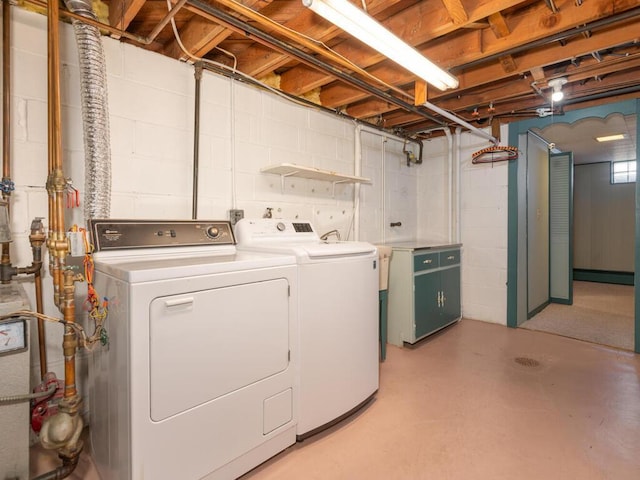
13 335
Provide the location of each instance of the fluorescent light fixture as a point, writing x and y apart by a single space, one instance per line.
357 23
610 138
557 84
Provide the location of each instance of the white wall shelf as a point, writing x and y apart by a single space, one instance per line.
292 170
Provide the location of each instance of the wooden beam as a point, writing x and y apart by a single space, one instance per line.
508 63
519 88
200 35
311 25
495 129
423 22
470 47
499 25
122 12
538 73
420 96
456 11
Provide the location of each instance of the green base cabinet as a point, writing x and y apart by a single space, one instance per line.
424 292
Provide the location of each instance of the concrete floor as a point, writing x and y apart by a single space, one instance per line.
479 401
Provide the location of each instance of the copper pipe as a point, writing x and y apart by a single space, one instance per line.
6 113
6 89
115 31
70 342
57 242
54 149
63 431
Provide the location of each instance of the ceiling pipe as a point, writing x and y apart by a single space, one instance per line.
604 22
598 96
461 122
233 23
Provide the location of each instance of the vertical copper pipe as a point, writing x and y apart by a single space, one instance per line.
6 110
6 89
70 342
64 281
55 180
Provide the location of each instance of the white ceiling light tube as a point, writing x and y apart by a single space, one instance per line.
357 23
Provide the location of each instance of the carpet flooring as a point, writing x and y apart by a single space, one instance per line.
601 313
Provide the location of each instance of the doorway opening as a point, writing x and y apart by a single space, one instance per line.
604 246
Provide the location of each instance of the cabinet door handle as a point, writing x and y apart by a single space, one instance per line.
428 261
451 257
443 299
439 302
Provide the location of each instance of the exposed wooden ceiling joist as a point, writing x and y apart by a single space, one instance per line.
503 52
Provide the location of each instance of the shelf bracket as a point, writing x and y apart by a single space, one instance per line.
333 192
283 176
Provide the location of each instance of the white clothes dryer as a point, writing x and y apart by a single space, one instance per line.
197 379
338 317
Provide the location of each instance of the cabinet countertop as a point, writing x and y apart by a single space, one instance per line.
413 245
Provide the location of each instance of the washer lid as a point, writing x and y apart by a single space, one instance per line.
337 249
294 236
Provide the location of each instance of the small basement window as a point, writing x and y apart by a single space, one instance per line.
623 172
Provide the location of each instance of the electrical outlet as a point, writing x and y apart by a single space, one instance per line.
235 215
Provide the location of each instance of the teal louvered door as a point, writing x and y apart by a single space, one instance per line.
561 227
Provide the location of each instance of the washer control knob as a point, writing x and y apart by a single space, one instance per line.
281 226
213 232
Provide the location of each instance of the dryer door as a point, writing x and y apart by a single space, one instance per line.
210 343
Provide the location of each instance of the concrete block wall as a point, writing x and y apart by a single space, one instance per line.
151 104
434 202
243 129
483 228
393 196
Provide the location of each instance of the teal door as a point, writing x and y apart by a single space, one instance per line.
450 287
426 303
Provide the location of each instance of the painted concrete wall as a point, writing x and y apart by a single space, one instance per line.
483 228
604 220
243 130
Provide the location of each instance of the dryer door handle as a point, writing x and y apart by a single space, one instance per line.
178 302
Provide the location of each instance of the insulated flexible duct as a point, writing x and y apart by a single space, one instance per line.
95 114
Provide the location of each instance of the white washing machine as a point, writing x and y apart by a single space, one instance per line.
197 379
338 317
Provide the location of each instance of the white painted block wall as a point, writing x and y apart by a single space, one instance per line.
243 129
483 228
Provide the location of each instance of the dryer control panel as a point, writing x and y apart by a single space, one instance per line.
125 234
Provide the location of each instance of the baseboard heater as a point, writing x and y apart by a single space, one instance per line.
603 276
